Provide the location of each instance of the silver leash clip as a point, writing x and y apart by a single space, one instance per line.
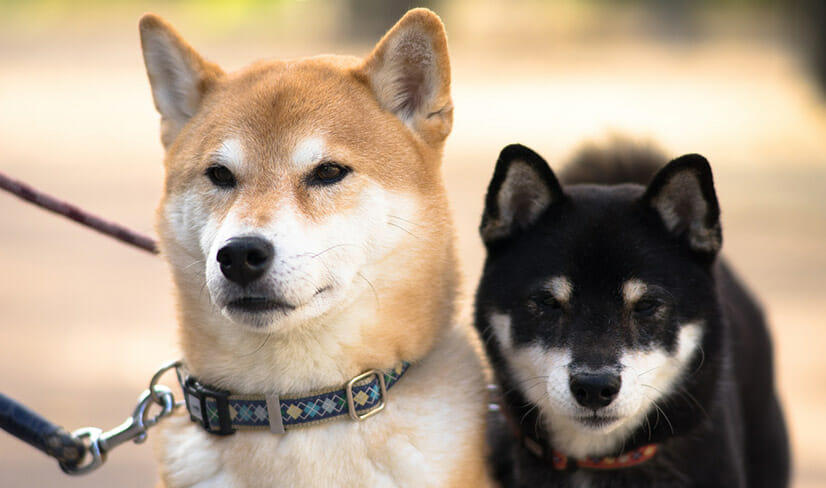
134 428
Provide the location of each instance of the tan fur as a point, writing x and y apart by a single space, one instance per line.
386 117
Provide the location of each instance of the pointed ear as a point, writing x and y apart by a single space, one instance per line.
682 194
178 75
522 189
409 73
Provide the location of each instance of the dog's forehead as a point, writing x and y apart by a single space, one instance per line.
595 242
279 119
276 107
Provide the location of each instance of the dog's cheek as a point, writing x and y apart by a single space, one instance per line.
187 219
542 374
636 395
650 375
395 220
378 221
558 384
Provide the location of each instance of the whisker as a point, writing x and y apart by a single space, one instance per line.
260 346
527 388
405 220
650 430
193 263
313 256
702 361
402 228
661 411
684 392
650 370
653 388
370 284
530 410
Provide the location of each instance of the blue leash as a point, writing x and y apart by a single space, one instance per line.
28 426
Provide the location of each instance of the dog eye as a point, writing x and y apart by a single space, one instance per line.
328 173
646 307
220 176
549 301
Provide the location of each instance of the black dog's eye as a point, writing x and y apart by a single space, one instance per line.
646 307
220 176
550 302
328 173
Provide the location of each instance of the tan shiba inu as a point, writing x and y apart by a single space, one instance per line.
305 221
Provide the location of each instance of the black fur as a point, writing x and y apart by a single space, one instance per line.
723 426
620 160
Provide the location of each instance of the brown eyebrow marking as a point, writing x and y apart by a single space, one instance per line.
560 288
633 290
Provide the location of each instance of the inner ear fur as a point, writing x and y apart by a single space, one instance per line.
523 187
409 73
682 194
178 75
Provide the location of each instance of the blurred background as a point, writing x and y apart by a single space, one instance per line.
85 321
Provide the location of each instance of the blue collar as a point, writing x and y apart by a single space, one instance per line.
222 413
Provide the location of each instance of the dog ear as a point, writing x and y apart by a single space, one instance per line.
682 193
409 73
178 75
522 189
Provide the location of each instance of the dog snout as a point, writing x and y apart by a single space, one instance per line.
595 390
245 259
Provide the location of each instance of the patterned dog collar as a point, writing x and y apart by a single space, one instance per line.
220 412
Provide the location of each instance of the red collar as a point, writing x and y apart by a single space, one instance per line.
626 460
561 462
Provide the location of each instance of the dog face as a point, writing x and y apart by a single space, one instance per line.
289 182
595 300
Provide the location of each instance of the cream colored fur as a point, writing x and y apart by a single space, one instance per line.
647 377
366 263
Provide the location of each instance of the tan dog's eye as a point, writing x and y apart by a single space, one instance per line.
220 176
328 173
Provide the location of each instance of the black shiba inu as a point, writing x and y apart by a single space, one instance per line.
626 352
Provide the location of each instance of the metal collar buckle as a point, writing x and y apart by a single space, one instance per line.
351 405
198 397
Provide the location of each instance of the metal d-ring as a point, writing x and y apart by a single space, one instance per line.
158 374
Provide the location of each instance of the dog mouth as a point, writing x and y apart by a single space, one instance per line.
265 304
258 305
596 421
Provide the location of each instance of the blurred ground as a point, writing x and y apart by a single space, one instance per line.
85 321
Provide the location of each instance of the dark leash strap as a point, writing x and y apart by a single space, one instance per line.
23 423
48 202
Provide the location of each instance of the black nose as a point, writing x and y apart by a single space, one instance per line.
245 259
595 390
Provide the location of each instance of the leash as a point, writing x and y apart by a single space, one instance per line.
26 425
84 450
72 449
52 204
